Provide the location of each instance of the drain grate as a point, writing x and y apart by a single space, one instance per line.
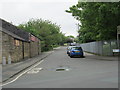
62 69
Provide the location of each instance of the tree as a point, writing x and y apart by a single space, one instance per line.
48 32
99 20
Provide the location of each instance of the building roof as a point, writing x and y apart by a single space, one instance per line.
14 31
11 34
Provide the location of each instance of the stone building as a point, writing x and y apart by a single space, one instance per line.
17 44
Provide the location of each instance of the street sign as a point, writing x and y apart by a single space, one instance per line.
116 50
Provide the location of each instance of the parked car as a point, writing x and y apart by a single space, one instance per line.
73 44
76 51
68 49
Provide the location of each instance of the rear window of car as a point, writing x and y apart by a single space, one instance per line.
69 47
76 48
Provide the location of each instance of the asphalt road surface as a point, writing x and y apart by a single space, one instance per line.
61 71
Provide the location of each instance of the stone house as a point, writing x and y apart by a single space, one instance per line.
17 44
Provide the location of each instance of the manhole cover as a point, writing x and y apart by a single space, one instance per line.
62 69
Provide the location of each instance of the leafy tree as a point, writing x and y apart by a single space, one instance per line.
99 20
48 32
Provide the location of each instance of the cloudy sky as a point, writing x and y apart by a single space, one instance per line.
20 11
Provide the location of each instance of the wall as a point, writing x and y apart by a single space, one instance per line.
18 50
34 49
26 50
100 47
17 43
9 48
0 46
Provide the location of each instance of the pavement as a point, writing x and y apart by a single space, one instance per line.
9 71
98 57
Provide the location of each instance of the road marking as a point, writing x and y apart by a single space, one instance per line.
57 48
34 70
21 74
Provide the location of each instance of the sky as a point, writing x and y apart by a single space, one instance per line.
21 11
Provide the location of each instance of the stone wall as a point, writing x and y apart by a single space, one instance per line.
17 49
17 43
34 50
39 47
9 48
26 50
6 45
0 46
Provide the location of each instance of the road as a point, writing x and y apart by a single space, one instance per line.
79 73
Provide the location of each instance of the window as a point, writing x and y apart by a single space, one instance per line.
76 48
16 42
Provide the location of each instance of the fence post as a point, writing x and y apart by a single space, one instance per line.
110 47
102 48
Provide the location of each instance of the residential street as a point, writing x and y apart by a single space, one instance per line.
85 72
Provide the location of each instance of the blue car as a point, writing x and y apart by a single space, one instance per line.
76 51
68 49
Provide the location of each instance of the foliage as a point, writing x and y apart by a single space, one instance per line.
48 32
98 20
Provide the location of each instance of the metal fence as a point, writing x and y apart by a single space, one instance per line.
100 47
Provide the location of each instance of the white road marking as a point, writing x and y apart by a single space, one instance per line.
34 70
57 48
67 69
21 74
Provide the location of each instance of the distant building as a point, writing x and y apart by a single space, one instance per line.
17 43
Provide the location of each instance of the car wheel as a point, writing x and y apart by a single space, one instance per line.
71 56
